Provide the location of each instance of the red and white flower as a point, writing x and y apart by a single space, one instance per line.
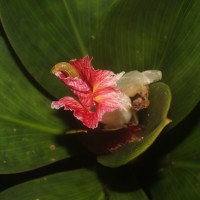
95 91
101 95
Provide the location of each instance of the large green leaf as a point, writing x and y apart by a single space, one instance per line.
165 35
122 35
155 119
52 31
29 128
179 177
77 185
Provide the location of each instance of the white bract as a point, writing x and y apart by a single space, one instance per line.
131 84
134 82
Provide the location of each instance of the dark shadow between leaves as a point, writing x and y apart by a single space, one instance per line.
98 141
69 141
170 140
147 169
72 145
118 180
75 162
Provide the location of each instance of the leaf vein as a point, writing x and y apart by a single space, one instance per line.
76 31
30 125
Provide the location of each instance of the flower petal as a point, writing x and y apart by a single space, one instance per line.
84 68
134 82
88 118
112 101
104 78
79 88
69 103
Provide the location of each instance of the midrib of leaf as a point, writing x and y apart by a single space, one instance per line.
30 125
77 34
185 164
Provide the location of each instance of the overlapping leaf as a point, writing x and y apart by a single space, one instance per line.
121 35
155 119
179 176
77 185
28 126
52 32
165 35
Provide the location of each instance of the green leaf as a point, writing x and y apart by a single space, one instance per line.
77 185
29 127
165 35
139 195
52 31
121 35
179 177
155 119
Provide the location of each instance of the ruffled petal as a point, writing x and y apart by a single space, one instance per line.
88 118
79 88
104 78
84 68
69 103
106 93
113 99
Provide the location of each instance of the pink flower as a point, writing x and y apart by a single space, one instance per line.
95 91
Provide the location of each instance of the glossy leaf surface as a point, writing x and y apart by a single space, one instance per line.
165 35
29 128
178 177
121 35
52 32
80 184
